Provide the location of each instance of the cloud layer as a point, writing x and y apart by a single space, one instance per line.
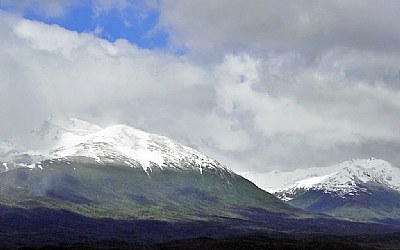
272 85
306 27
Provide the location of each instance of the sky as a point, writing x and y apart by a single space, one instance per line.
258 85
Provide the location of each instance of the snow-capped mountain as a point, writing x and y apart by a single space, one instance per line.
122 172
74 139
360 189
341 180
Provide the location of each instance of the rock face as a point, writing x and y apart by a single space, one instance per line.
360 189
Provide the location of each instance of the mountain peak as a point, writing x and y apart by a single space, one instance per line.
339 180
50 131
65 124
358 189
73 139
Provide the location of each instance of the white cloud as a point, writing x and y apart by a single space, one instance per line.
80 75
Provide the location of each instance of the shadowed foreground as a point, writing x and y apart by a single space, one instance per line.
250 242
49 228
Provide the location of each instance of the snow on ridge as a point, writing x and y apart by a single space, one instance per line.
71 138
340 179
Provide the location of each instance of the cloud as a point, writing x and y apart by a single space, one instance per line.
101 6
323 77
347 112
48 69
131 12
307 27
265 86
307 117
49 8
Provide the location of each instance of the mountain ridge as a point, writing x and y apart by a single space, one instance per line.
73 138
339 179
359 189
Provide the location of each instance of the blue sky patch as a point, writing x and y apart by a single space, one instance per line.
130 24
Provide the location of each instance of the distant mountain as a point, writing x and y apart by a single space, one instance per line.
360 189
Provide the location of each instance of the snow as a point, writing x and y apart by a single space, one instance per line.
66 138
312 181
341 179
31 166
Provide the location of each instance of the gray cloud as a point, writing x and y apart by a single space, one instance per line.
328 79
307 27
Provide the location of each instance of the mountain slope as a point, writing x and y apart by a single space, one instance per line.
122 172
363 189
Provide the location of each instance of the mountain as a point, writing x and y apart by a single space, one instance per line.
119 181
122 145
70 181
121 172
360 189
